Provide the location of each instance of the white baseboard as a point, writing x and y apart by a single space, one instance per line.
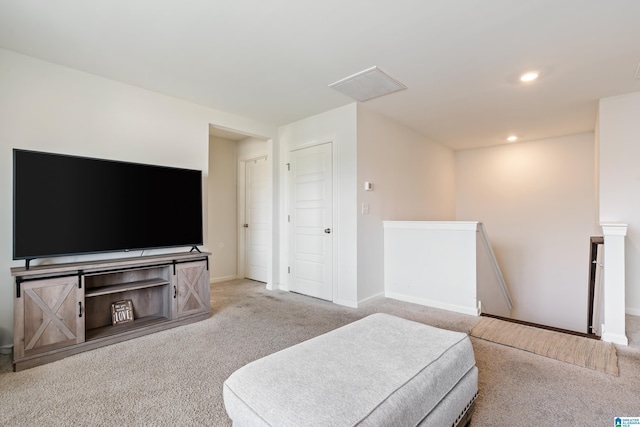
615 338
223 278
277 287
372 298
346 303
633 311
473 311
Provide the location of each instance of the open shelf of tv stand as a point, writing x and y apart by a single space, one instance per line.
65 309
112 289
105 331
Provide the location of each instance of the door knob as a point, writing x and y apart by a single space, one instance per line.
327 230
246 225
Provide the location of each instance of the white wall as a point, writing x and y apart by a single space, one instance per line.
432 263
251 147
619 172
223 213
47 107
536 200
339 127
413 179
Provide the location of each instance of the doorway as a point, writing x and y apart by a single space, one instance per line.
229 154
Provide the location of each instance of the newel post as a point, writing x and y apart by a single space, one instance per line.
614 283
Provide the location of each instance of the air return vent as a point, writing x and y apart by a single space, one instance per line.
368 84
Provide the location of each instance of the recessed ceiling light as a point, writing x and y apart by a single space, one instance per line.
529 76
512 138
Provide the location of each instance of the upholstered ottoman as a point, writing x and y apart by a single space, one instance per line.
378 371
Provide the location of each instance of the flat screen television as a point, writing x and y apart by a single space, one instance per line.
70 205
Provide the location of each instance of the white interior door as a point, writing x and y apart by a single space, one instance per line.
311 222
256 220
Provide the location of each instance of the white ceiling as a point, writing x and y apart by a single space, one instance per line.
273 60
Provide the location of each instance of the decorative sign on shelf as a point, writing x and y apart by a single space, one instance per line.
122 312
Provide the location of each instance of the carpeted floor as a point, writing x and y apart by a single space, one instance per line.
589 353
174 377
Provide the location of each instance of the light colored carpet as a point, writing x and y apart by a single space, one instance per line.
586 352
174 377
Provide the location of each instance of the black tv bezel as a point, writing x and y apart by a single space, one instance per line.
28 258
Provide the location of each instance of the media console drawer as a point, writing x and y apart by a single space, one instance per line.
65 309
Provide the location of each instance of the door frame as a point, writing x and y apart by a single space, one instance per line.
286 225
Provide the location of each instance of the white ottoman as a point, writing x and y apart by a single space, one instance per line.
379 371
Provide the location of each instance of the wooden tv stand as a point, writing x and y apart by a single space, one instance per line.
64 309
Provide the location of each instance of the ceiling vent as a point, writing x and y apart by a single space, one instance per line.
368 84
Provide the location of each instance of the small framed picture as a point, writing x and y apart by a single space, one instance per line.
121 312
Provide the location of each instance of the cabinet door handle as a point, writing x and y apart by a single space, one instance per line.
175 292
79 309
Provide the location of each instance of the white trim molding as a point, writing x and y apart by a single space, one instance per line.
613 328
433 303
224 278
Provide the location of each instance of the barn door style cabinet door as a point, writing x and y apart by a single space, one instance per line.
48 316
64 309
191 289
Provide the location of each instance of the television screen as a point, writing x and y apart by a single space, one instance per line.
68 205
